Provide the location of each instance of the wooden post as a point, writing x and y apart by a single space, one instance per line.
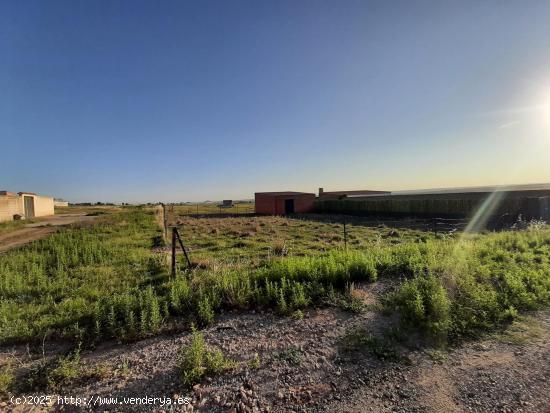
345 235
173 252
164 222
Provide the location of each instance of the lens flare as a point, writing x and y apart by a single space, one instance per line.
485 211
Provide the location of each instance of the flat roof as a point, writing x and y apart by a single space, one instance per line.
284 193
355 192
474 189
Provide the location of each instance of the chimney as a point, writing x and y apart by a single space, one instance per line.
320 192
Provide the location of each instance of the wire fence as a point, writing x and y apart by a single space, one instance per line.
271 233
211 209
436 225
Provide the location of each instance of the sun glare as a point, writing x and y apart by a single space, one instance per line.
546 112
542 112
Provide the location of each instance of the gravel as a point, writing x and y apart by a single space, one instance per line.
302 369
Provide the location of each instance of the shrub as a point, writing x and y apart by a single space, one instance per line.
198 361
180 294
66 370
424 304
6 378
205 313
279 249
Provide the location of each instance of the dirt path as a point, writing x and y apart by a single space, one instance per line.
300 367
38 230
508 373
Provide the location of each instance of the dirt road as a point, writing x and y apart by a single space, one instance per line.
37 230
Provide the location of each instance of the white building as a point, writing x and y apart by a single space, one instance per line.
25 205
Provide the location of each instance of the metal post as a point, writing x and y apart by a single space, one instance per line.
183 247
173 252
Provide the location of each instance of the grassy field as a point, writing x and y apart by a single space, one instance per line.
251 241
111 279
10 226
96 209
214 208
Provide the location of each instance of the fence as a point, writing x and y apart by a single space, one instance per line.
202 209
502 205
436 225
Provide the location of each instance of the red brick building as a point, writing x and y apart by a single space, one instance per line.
282 203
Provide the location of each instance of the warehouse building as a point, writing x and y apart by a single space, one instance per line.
24 205
349 194
509 202
283 203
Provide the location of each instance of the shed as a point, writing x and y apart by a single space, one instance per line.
282 203
24 204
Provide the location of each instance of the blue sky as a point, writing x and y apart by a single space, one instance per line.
179 100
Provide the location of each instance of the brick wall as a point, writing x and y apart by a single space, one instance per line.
275 204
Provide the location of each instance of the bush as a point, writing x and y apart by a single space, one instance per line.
197 361
336 268
463 288
66 371
279 249
6 379
424 304
205 313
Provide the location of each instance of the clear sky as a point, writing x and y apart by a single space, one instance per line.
194 100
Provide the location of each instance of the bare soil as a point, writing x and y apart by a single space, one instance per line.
38 230
302 368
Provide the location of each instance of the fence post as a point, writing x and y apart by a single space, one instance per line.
345 235
173 252
164 221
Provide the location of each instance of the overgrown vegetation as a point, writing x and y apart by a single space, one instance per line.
198 361
105 280
6 378
56 373
10 226
83 280
475 284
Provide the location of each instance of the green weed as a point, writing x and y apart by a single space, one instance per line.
6 378
198 361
